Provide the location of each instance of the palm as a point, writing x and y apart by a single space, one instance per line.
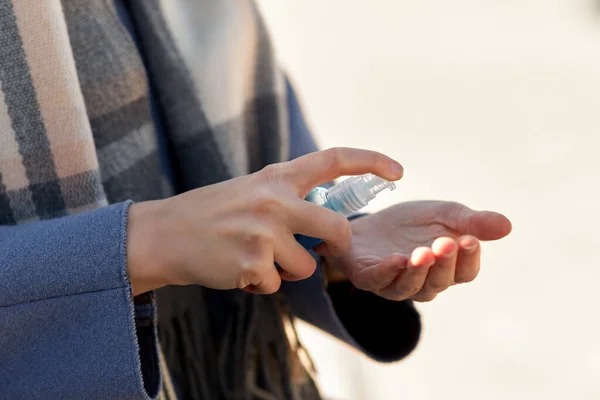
417 249
398 229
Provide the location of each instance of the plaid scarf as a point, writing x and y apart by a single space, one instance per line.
76 133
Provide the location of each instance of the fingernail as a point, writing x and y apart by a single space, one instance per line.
422 265
397 169
448 255
470 247
400 267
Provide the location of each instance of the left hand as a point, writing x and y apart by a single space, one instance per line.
416 250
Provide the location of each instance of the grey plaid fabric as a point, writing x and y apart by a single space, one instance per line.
48 166
76 133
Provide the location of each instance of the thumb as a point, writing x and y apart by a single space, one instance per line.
485 225
311 170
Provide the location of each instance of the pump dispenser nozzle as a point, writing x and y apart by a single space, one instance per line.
346 197
354 193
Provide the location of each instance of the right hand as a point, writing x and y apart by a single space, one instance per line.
229 235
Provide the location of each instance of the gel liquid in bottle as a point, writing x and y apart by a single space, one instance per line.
346 198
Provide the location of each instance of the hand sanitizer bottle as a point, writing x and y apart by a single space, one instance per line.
346 198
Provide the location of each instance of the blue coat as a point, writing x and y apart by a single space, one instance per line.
67 326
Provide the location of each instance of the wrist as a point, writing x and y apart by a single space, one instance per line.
145 253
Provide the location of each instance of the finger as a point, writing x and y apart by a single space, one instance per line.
489 225
295 262
381 275
314 169
267 282
412 280
441 274
315 221
424 297
469 259
258 272
486 225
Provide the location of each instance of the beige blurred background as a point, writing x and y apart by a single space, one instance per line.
495 104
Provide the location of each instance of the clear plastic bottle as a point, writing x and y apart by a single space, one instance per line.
346 198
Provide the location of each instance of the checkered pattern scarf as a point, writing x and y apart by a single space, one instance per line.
76 133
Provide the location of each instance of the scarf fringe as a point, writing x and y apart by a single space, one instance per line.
248 361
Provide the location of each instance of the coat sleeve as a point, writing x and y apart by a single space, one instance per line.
382 329
69 326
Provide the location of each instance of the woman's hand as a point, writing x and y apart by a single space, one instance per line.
416 250
229 235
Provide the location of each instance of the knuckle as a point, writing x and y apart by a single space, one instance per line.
452 207
257 241
465 277
273 173
437 287
265 201
453 210
251 267
407 290
249 274
426 298
333 158
253 270
269 171
271 287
